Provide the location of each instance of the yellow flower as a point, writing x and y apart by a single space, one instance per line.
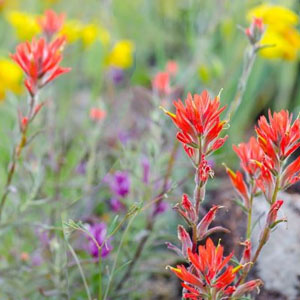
72 30
25 24
75 30
280 31
10 77
92 32
121 55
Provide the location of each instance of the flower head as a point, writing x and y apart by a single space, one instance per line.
279 137
209 271
255 31
161 83
51 22
121 56
24 24
199 124
40 62
98 231
97 114
119 183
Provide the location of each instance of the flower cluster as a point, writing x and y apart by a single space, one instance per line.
210 275
119 184
199 125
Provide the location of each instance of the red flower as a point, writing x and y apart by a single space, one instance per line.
240 185
51 22
272 215
250 153
291 174
209 271
204 170
161 82
172 67
97 114
40 62
255 31
199 124
279 137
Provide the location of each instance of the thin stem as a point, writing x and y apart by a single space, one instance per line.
80 271
100 276
117 256
249 59
249 222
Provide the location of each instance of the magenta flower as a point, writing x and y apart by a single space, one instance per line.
119 183
98 231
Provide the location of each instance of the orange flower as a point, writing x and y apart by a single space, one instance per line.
279 137
240 185
209 272
97 114
51 22
161 83
250 153
199 124
40 62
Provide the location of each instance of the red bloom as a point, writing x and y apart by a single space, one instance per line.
51 22
40 62
209 270
240 185
279 137
199 124
272 215
250 153
204 170
97 114
172 67
161 82
291 174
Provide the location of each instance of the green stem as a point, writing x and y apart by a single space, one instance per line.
100 275
249 222
80 271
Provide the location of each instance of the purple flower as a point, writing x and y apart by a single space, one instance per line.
98 231
81 168
116 205
160 207
119 183
146 169
116 74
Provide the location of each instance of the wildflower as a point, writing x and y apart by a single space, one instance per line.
250 153
97 114
98 231
240 186
25 24
209 273
161 83
291 174
255 31
71 30
187 210
119 183
51 22
279 137
40 62
116 204
160 207
247 287
171 67
204 170
116 74
280 32
10 78
272 215
92 32
121 56
199 125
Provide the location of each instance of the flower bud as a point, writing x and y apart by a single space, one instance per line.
247 287
255 31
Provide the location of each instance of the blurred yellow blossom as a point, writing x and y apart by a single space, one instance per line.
10 77
75 30
25 24
121 55
280 31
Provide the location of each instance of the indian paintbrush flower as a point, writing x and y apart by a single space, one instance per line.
210 273
51 22
199 124
40 62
